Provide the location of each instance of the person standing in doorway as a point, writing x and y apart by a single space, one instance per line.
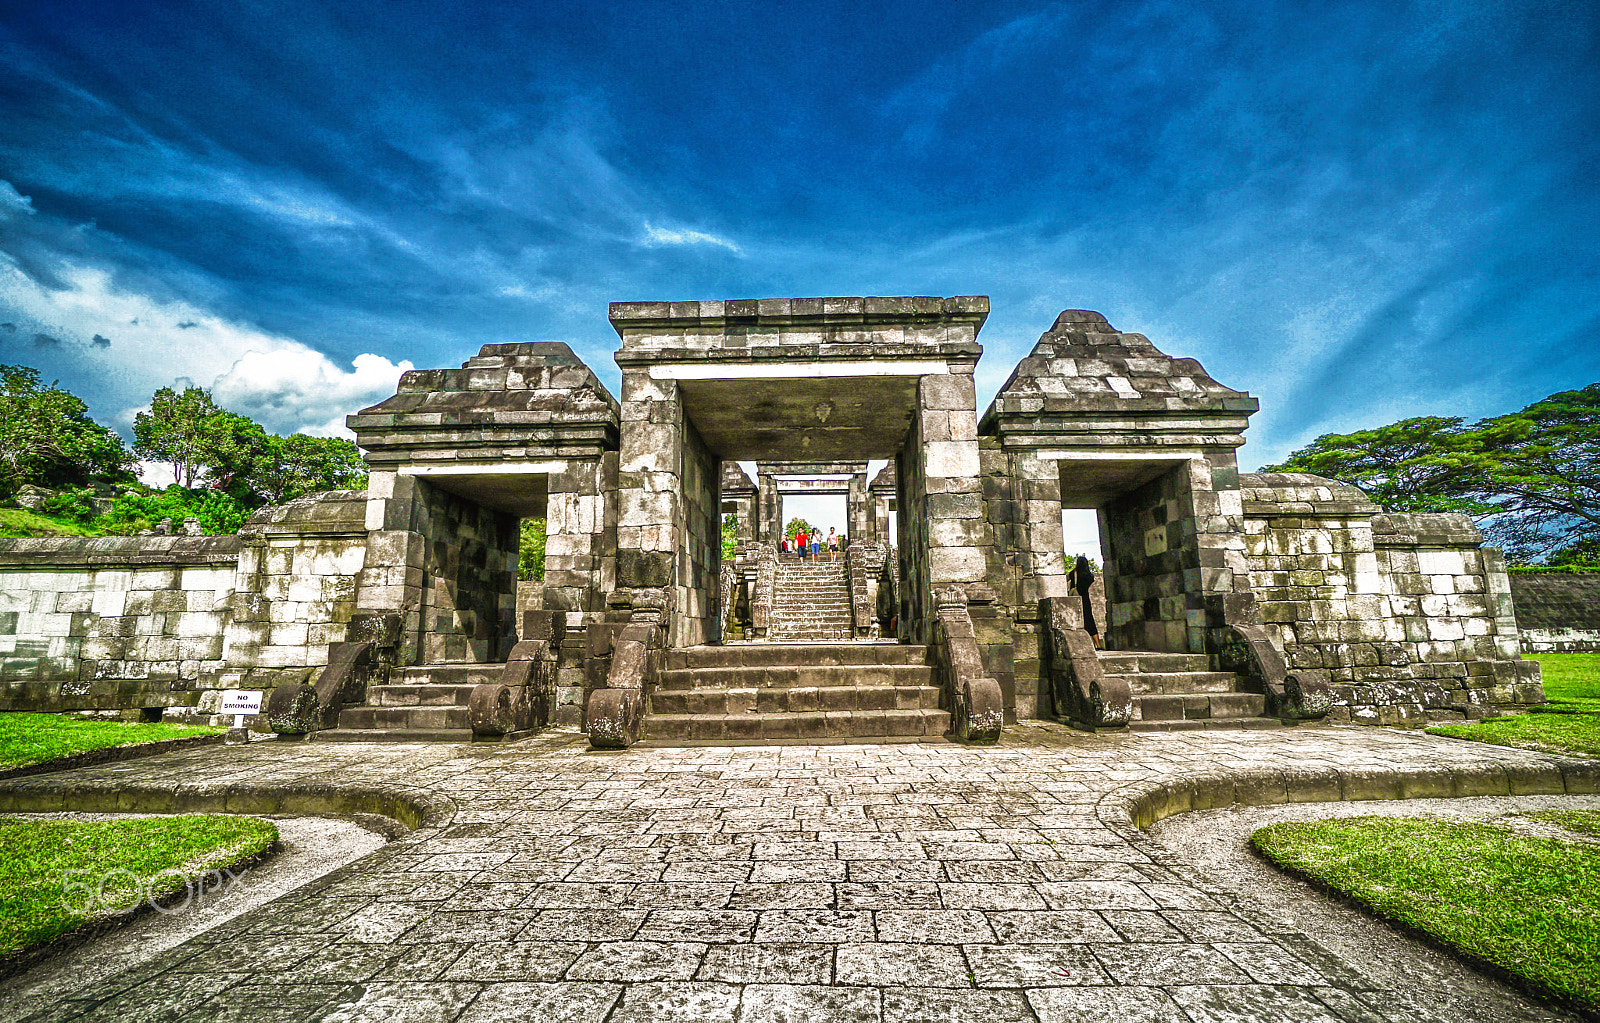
833 546
816 547
801 540
1080 579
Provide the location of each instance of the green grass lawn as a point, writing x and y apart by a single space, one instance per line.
1529 906
35 738
58 875
1569 723
19 522
1582 822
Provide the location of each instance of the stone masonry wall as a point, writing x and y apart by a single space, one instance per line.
1408 614
146 622
1172 548
1557 613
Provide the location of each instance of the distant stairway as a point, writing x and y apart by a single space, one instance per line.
809 692
811 602
1177 692
421 704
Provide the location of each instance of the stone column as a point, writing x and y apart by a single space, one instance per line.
770 514
858 510
942 529
577 546
649 516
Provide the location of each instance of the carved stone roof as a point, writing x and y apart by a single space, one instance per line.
513 402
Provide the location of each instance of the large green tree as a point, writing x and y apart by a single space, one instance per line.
47 438
284 468
1531 478
188 431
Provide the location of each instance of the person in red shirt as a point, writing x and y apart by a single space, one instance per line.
802 540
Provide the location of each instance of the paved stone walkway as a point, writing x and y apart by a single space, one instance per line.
908 882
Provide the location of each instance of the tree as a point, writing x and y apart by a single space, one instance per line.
794 527
284 468
47 438
188 431
730 537
1399 466
530 550
1539 470
1530 478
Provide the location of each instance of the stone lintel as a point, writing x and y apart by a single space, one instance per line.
801 312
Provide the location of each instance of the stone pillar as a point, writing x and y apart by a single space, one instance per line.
649 519
668 507
942 528
580 527
770 502
1022 502
392 577
858 510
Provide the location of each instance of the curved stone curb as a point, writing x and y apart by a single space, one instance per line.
423 811
113 754
1134 806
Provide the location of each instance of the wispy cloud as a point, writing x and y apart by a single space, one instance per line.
654 236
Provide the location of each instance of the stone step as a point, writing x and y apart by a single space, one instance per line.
1178 683
1213 724
463 674
418 695
1199 706
405 718
788 676
413 735
796 655
904 725
793 699
1129 662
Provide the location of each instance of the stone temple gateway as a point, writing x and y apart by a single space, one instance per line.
1232 600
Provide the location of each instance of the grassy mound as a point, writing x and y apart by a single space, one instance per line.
1529 907
1569 723
34 738
59 875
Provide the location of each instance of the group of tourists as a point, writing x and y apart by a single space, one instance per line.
811 545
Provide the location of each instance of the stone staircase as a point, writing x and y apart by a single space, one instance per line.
1178 692
810 602
805 692
421 704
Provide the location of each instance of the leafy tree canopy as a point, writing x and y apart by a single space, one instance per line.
47 438
284 468
730 537
530 550
1531 478
191 433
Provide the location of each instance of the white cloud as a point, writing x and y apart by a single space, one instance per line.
282 383
298 389
156 474
11 201
656 236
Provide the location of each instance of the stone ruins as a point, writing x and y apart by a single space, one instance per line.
1230 599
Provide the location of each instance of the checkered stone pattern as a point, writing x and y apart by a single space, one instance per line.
1410 615
873 883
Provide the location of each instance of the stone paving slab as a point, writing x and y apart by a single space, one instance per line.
825 883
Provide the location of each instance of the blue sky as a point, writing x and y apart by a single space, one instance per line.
1356 211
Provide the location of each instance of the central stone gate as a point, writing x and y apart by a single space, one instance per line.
1254 600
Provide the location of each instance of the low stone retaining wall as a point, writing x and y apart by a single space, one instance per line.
1557 614
135 623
